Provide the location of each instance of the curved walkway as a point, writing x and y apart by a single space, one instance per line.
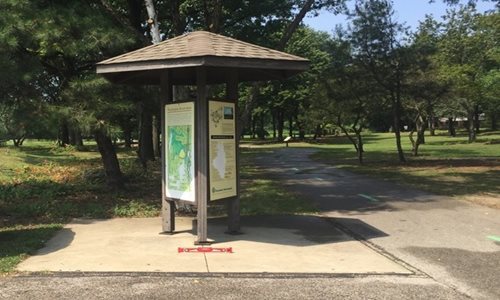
453 241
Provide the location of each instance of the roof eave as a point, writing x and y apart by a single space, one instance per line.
209 61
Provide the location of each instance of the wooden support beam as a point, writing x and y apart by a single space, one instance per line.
167 207
233 204
201 157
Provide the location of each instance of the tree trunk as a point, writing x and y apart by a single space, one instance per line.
146 152
75 137
471 127
127 137
64 134
397 128
178 23
114 177
156 136
420 126
254 125
414 143
290 126
494 125
356 142
213 14
302 131
274 125
317 132
432 123
72 137
261 131
431 118
280 125
78 138
18 141
451 127
246 118
153 21
477 124
134 13
287 35
360 148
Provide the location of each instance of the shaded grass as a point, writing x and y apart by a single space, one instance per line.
267 197
17 242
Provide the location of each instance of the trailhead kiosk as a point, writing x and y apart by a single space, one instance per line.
199 149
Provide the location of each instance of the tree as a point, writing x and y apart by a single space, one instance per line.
347 95
425 87
377 41
290 99
464 59
101 110
489 32
65 39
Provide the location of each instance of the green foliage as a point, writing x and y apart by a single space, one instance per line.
136 209
468 60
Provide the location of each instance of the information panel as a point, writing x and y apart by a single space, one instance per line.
179 169
222 149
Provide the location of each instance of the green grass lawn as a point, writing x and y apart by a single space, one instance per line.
445 165
43 186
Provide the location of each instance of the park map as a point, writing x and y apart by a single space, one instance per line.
179 157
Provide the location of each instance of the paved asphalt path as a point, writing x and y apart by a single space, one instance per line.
451 241
444 240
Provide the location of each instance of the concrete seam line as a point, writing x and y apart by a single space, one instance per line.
376 248
206 262
66 274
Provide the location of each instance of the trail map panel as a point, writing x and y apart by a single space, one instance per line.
222 152
179 169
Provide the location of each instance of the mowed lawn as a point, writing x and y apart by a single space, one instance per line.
445 165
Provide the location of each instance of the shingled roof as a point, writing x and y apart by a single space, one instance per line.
201 48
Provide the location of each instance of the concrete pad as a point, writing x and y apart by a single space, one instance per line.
116 245
274 244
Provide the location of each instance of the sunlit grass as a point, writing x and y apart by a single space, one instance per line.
445 165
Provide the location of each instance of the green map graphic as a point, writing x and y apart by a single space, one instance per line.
179 157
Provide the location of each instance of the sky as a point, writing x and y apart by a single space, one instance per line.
409 11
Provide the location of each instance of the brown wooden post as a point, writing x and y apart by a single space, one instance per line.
233 204
201 157
167 207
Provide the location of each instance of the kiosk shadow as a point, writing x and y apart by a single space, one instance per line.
20 241
293 230
61 240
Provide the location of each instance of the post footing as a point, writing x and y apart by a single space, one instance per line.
203 243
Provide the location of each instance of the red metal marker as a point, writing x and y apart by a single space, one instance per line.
205 250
